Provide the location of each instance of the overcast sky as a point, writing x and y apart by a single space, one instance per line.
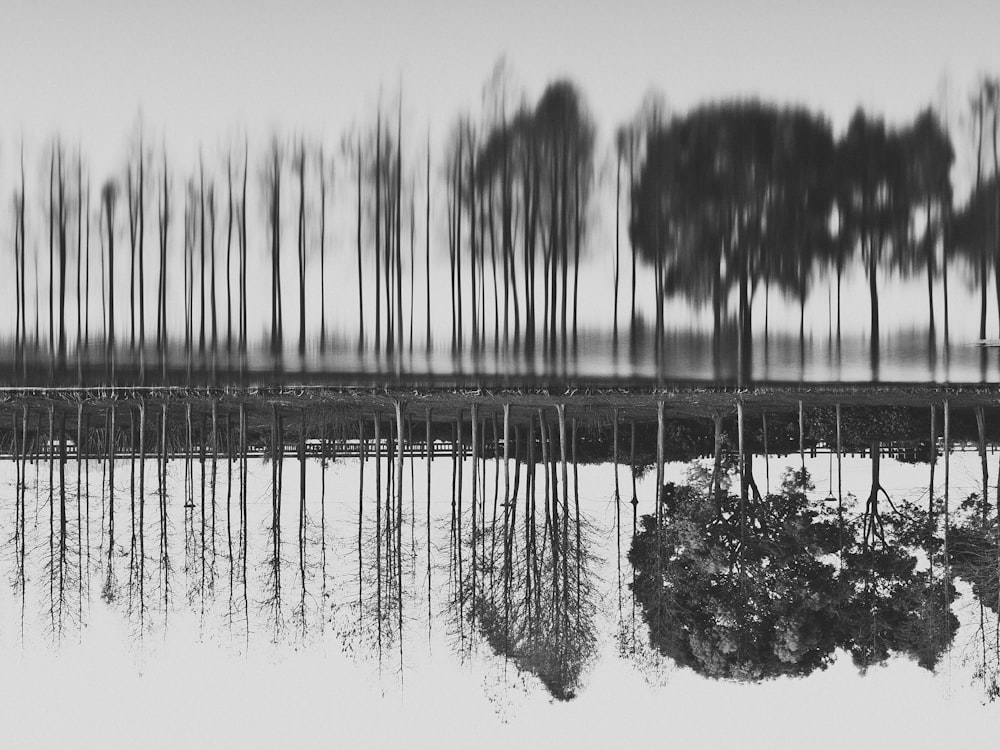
198 70
202 72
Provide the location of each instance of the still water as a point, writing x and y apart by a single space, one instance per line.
738 539
681 357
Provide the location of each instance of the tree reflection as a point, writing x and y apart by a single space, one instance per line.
739 592
733 580
974 557
763 589
532 597
892 604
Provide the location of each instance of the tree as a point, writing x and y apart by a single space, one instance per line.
873 203
534 168
325 168
20 266
928 159
243 253
631 139
566 139
163 226
300 168
730 195
63 253
619 152
361 291
135 179
109 199
229 252
979 105
272 188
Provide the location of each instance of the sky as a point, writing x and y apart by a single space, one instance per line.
197 70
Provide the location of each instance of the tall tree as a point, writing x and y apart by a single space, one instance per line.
928 161
109 199
163 224
229 252
873 203
325 170
300 168
978 106
729 195
272 187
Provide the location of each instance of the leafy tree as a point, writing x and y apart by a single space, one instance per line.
731 195
928 161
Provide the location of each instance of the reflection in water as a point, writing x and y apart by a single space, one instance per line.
533 599
735 588
391 523
769 586
682 356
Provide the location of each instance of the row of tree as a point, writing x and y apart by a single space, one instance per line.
720 202
736 197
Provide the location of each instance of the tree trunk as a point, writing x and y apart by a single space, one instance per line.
618 201
378 232
229 257
873 296
361 289
427 245
322 253
302 250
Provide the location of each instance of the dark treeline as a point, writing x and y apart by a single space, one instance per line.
718 206
740 196
692 429
518 194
